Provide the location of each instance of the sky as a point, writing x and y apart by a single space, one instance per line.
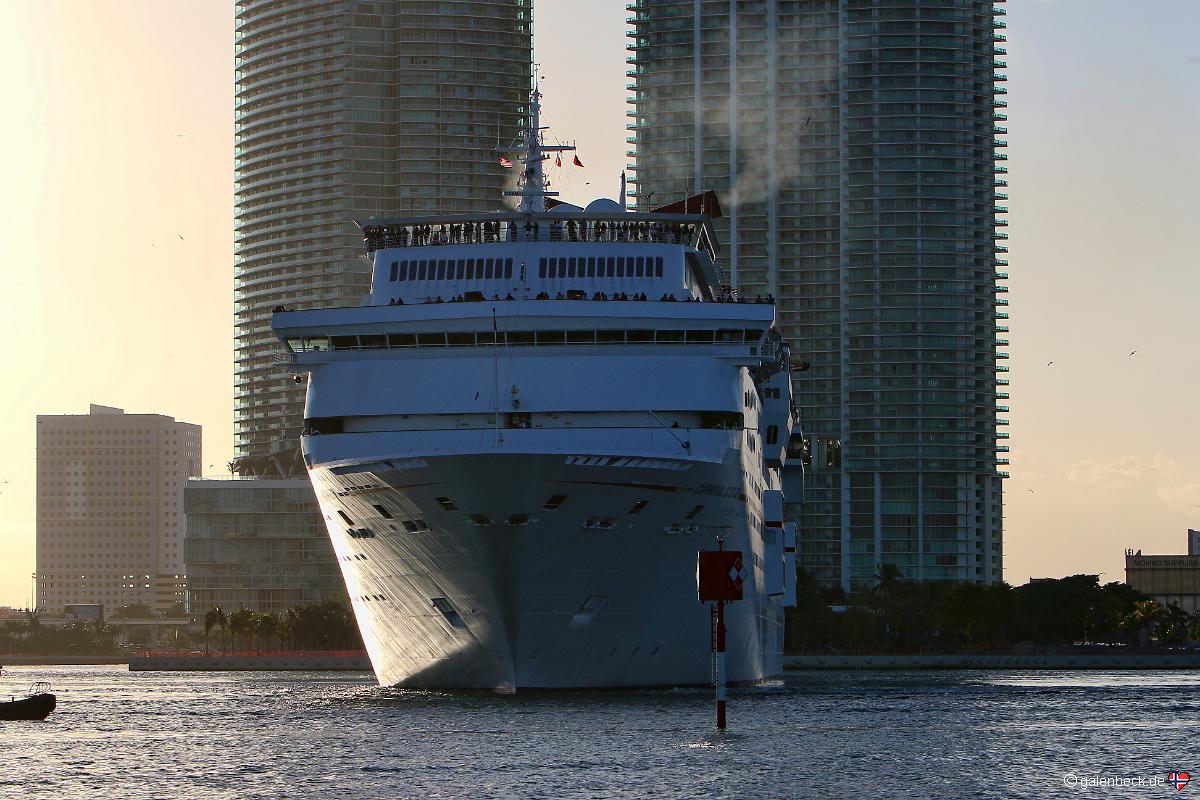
116 245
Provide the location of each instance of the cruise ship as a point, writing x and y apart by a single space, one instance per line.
524 434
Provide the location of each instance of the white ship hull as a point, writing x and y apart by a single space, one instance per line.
584 595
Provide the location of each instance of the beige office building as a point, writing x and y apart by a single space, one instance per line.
110 521
1169 579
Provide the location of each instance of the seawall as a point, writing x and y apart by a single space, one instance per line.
979 661
346 661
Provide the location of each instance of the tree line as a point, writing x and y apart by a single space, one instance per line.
325 625
903 616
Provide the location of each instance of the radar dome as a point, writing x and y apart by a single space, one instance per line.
605 206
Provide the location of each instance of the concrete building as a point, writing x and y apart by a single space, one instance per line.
1168 579
110 517
259 544
351 110
855 147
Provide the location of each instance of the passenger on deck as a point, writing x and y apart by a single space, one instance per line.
559 296
509 296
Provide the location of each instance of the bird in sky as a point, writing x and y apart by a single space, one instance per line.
180 135
1131 353
180 235
1048 363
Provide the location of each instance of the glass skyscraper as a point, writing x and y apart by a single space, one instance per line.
856 148
344 111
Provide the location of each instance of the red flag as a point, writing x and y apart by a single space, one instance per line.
578 163
504 162
558 160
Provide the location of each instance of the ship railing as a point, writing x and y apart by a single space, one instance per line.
677 229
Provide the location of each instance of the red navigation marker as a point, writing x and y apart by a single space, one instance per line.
719 576
719 579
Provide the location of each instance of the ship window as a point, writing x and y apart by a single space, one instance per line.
460 339
508 268
551 337
447 610
729 335
621 267
471 270
612 268
445 503
344 342
699 337
542 266
520 337
641 336
772 434
570 267
591 267
753 335
485 337
345 516
638 506
487 268
518 519
395 270
383 512
692 514
658 267
481 519
402 339
721 420
373 342
441 276
421 271
431 339
581 337
404 271
641 266
319 425
610 337
554 502
670 337
518 419
460 270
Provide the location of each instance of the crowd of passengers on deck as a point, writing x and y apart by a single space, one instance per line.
493 231
577 294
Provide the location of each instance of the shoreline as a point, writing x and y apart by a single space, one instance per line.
1056 661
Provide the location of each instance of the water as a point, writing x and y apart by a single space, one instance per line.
118 735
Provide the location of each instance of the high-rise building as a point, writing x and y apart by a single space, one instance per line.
110 521
351 110
854 144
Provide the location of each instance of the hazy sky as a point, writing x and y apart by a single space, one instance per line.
117 245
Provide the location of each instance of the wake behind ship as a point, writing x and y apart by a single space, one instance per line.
523 436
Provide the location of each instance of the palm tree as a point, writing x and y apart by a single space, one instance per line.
242 622
214 618
268 624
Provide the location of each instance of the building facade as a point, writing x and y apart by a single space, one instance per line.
110 516
350 110
259 544
1170 580
855 147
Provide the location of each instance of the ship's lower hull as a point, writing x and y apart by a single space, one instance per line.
505 571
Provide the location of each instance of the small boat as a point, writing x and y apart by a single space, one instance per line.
37 705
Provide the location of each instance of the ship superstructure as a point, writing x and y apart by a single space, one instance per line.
525 433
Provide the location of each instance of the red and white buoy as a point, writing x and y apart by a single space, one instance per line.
719 581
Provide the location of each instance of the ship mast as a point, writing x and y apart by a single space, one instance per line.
534 185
